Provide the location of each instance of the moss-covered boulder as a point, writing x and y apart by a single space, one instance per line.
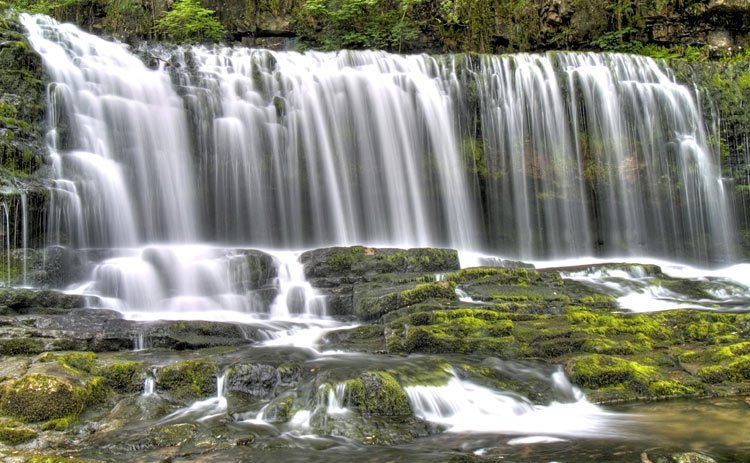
188 380
377 394
359 260
38 397
371 305
124 377
444 331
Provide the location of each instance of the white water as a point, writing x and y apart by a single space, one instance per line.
463 407
727 287
203 410
149 386
6 222
296 298
290 150
585 154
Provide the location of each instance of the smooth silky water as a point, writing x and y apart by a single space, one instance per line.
174 171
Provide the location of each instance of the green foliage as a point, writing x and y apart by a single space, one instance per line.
47 7
188 21
336 24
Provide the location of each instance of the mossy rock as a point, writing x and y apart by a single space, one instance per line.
714 374
74 361
374 307
125 377
444 331
740 369
188 380
14 433
377 394
21 346
596 371
360 260
39 397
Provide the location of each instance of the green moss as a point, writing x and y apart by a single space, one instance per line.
41 398
439 375
378 394
730 352
459 330
740 369
190 379
714 374
21 346
60 424
598 300
609 324
77 361
370 308
704 330
96 391
596 371
610 346
670 388
123 376
13 433
509 276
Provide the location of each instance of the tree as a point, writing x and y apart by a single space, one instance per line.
188 21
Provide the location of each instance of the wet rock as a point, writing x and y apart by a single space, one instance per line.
371 304
258 380
29 301
188 380
359 261
14 433
378 394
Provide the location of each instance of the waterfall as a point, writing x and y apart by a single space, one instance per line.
121 137
529 155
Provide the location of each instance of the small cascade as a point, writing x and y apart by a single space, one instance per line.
464 407
6 230
203 410
24 234
463 296
336 400
141 342
296 298
149 386
635 289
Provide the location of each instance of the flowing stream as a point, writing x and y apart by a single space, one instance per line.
174 166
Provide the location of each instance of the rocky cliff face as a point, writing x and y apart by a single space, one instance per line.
22 149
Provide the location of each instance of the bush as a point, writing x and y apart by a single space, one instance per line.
188 21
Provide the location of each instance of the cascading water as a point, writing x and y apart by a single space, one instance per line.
598 154
174 173
575 154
